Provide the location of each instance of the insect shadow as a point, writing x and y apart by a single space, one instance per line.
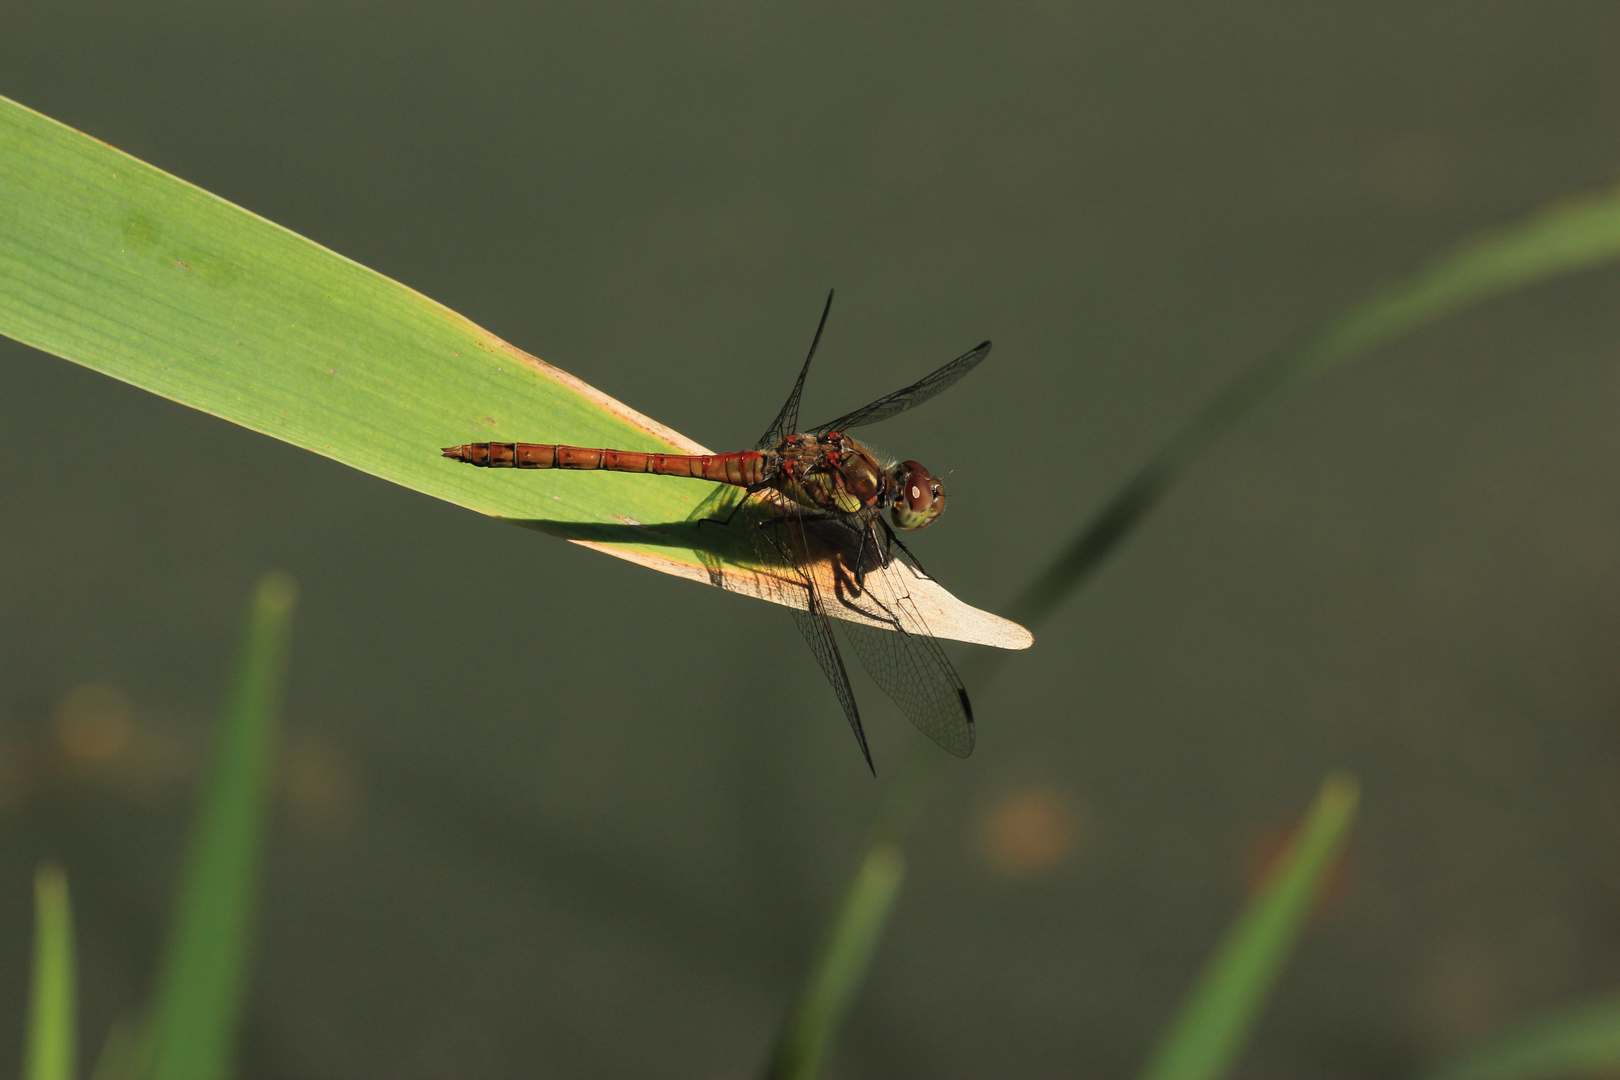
724 540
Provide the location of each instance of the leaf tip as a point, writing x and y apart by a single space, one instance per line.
50 884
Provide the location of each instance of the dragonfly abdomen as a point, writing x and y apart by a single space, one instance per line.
743 468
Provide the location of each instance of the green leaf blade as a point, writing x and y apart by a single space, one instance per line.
119 266
116 265
203 975
1215 1021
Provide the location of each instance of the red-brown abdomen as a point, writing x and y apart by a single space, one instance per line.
743 468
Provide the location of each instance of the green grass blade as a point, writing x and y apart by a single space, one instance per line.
203 974
1562 238
1572 235
53 1025
1215 1021
116 265
1579 1041
839 968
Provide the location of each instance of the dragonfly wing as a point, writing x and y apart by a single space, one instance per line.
779 544
912 396
914 671
911 668
818 632
787 421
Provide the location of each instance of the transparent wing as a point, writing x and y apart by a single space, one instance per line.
773 534
784 543
787 421
911 668
818 634
901 400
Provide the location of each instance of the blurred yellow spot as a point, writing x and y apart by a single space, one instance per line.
321 787
93 723
1030 830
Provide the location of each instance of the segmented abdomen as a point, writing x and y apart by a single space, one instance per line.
743 468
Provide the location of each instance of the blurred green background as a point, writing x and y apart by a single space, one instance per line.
506 845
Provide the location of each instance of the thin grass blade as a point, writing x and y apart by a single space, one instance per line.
1562 238
203 974
53 1024
1575 1042
1215 1021
839 969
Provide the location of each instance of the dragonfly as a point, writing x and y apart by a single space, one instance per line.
816 500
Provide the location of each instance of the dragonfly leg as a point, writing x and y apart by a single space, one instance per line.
884 545
748 492
877 547
895 541
870 609
882 548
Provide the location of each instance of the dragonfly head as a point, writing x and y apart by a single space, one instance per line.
919 497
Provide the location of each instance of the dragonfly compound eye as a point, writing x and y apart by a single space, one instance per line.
919 498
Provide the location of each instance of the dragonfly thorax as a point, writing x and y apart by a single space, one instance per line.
835 474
